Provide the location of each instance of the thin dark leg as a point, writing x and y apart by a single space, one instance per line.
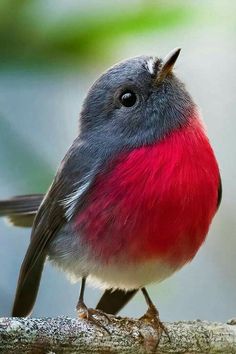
83 311
151 307
81 294
152 315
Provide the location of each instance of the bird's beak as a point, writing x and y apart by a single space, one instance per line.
168 64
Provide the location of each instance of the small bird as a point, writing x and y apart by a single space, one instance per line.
134 196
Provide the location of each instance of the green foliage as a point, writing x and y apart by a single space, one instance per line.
27 36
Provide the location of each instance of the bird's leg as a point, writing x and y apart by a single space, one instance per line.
83 311
81 308
152 315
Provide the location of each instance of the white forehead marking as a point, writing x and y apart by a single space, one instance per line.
150 65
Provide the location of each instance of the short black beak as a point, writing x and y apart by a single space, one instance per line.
168 64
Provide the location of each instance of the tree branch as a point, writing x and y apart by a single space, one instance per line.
66 335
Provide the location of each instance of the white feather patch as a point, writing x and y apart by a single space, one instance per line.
150 65
71 200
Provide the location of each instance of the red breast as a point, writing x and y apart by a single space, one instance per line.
154 202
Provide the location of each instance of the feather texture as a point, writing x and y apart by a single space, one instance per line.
163 208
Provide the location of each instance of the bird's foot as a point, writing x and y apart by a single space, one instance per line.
152 316
100 312
87 313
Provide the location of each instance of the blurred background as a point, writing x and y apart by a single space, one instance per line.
50 53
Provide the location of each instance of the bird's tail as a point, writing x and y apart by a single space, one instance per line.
112 301
21 210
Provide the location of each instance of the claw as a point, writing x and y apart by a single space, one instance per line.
87 313
152 316
95 312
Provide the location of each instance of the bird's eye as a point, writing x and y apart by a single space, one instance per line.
128 98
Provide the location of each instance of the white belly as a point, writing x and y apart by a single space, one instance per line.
71 256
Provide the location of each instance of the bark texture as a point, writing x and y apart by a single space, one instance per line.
126 336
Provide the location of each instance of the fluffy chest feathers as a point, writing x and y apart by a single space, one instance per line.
154 202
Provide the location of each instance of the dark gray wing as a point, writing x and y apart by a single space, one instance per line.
64 197
48 220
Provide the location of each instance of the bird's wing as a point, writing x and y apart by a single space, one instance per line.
65 195
49 219
21 210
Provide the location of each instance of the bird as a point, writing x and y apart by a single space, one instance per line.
133 198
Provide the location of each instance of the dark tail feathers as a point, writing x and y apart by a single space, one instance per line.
21 210
112 301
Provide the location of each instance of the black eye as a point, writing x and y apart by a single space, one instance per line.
128 98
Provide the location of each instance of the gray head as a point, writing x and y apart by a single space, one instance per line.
137 102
